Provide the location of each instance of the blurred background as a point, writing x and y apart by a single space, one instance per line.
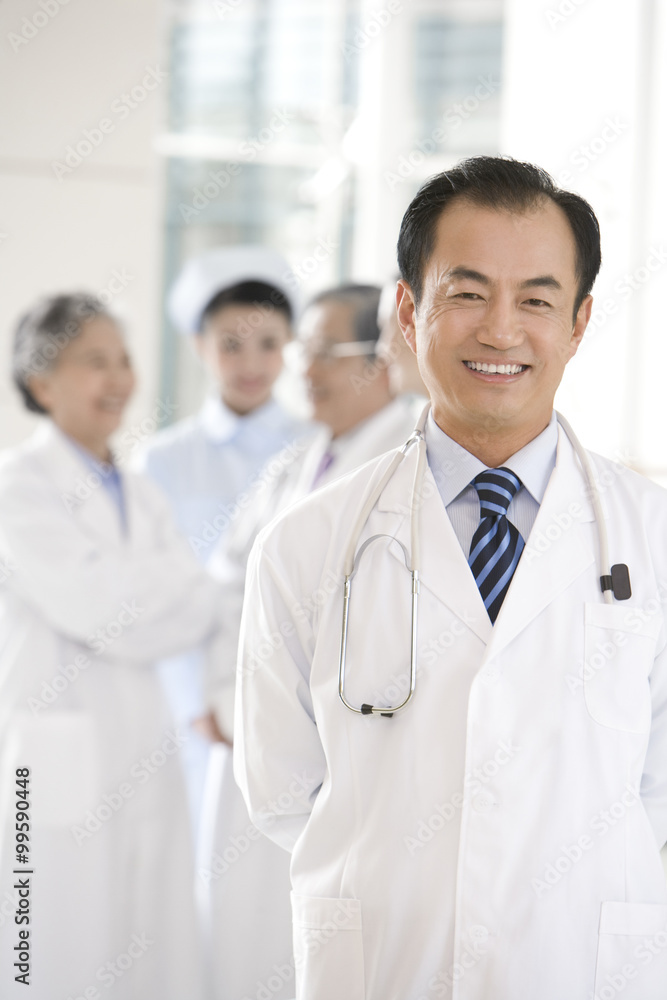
137 134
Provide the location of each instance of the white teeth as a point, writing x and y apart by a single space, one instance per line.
483 366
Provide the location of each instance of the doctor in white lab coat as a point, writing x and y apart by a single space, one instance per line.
236 305
96 585
246 876
499 837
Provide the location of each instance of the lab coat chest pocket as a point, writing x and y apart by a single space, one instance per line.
632 951
619 650
328 948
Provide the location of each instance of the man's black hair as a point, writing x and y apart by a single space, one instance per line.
501 183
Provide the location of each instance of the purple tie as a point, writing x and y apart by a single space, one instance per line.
325 462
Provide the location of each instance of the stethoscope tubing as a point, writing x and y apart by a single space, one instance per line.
412 559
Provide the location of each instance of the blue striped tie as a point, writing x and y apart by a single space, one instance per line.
496 546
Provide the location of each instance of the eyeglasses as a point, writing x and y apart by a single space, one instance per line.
327 354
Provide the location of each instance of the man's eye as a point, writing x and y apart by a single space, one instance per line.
468 295
231 346
536 302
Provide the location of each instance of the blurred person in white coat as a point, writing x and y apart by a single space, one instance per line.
485 753
247 876
236 305
97 584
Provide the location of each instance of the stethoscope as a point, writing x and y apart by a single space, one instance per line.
614 580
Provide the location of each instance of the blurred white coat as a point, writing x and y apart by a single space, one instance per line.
85 610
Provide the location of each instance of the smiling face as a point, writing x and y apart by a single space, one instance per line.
87 389
242 346
494 328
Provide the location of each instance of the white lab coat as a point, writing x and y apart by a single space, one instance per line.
207 465
84 611
289 477
490 841
245 877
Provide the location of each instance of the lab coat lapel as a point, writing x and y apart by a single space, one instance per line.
89 503
444 568
558 550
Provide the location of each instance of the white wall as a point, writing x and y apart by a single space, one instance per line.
105 216
585 96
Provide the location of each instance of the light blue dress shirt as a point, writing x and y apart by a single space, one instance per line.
110 477
454 468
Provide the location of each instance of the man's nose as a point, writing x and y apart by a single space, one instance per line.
502 328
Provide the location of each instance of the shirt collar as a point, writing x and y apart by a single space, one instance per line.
453 467
220 424
104 469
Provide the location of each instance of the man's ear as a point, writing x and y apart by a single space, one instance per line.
581 322
406 311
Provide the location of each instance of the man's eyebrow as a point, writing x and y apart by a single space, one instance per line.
544 281
469 273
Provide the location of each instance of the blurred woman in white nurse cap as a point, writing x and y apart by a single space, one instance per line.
238 305
96 586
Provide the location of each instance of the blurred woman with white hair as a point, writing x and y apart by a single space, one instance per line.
97 584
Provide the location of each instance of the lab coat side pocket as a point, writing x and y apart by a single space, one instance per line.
619 650
632 951
328 948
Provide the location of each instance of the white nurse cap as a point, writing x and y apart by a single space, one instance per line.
213 272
